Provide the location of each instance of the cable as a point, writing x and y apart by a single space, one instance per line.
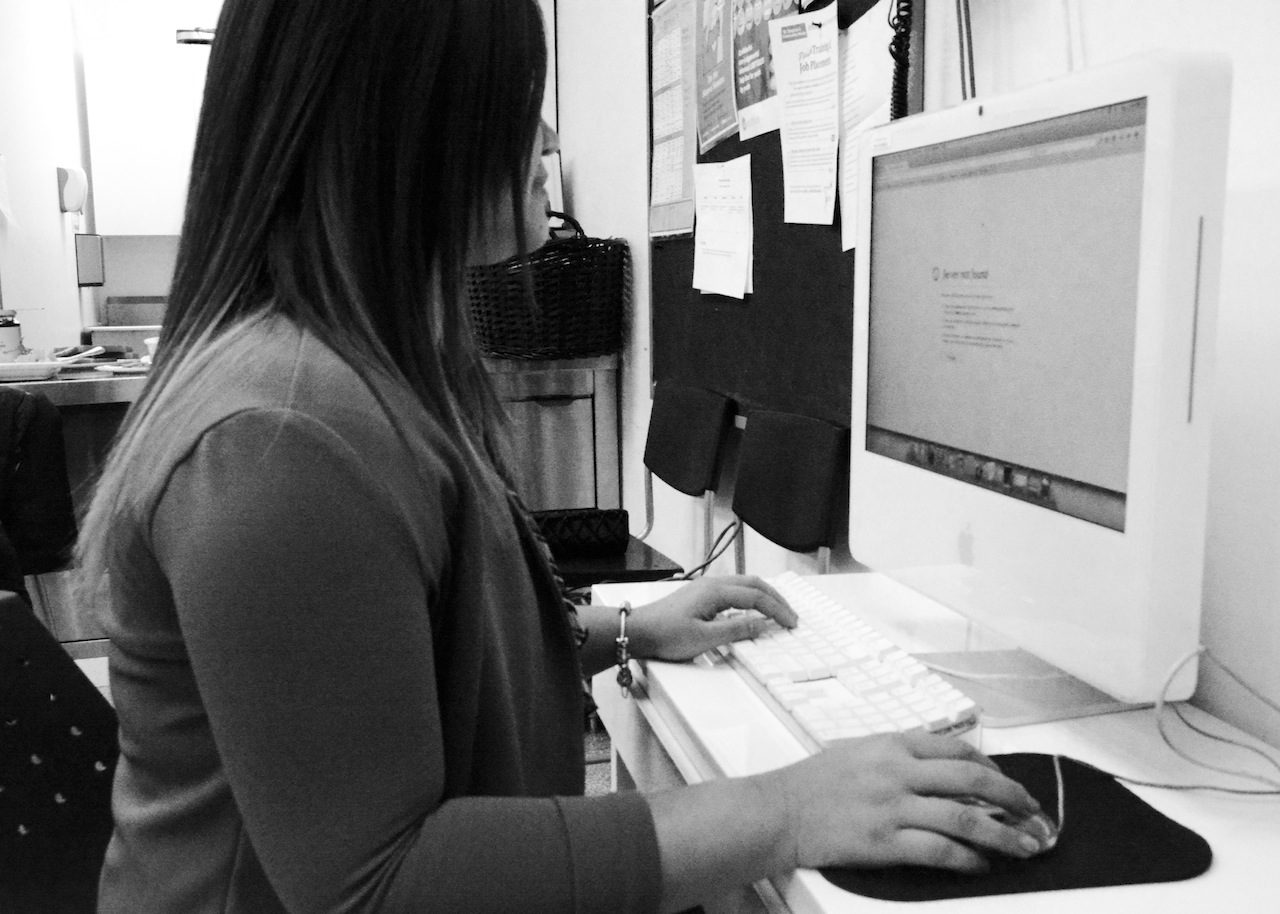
968 48
697 570
964 24
1217 737
1162 703
1251 690
1062 793
717 549
1240 791
712 552
1273 789
721 544
900 51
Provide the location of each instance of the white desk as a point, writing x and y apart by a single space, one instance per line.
698 721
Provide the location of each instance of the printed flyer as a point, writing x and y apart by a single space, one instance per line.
717 111
754 77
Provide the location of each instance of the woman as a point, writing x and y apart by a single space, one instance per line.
345 677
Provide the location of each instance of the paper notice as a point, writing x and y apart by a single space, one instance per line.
673 140
806 60
723 237
866 80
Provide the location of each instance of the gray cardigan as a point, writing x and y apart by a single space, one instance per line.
344 679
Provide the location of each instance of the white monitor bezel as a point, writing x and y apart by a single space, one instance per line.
1117 610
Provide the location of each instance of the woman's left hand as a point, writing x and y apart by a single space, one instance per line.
689 621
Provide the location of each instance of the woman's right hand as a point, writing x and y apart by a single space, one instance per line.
889 800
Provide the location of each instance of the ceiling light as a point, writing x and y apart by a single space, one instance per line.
195 36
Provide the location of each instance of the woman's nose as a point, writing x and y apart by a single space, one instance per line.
550 139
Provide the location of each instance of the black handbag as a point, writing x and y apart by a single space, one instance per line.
584 531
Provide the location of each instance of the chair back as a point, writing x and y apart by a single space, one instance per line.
58 750
687 426
789 482
37 516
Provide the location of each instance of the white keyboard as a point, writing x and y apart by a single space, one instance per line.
833 677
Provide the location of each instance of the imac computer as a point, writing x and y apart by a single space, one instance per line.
1035 296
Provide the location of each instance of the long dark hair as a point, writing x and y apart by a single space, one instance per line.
345 149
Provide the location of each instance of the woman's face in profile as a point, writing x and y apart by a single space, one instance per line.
496 238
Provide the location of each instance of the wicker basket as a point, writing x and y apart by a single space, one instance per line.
566 300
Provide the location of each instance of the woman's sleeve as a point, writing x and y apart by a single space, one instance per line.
303 600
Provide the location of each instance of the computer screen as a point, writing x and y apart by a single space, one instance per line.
1035 294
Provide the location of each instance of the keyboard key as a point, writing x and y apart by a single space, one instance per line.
834 677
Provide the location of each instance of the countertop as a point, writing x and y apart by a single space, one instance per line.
86 388
81 388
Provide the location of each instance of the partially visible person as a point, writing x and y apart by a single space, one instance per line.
37 516
345 675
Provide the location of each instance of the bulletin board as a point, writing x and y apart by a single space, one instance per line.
788 345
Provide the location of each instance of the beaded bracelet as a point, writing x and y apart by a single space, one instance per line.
623 657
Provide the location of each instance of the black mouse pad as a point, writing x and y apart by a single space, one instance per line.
1111 838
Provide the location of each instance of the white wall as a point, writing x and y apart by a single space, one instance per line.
143 93
603 126
548 8
39 131
143 116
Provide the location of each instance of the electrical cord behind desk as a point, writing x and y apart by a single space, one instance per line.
1163 708
717 548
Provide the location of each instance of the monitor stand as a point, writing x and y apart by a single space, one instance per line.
1014 688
